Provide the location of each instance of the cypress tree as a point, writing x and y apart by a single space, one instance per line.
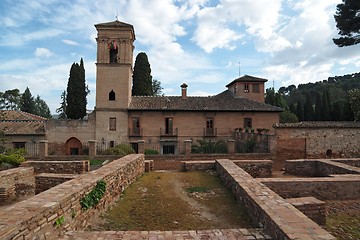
325 116
318 107
337 111
142 80
308 109
300 111
41 108
62 109
27 102
76 92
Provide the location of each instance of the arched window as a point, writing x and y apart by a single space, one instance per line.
112 95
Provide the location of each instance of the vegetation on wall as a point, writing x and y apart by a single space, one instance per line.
93 198
14 157
119 150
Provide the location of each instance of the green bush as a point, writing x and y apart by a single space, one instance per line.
151 152
121 149
209 147
12 159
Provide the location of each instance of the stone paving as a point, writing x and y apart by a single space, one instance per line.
215 234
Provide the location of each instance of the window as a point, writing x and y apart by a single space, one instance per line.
113 51
246 88
19 144
255 88
247 123
112 144
112 124
235 88
136 126
169 149
112 96
168 126
209 127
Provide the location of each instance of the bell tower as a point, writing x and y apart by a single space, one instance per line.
113 80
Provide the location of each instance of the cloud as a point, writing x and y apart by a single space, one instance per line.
70 42
43 52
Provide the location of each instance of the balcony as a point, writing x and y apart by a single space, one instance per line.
168 132
210 132
135 132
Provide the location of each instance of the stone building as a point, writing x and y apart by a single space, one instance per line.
165 121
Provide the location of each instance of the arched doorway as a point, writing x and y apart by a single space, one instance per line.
73 146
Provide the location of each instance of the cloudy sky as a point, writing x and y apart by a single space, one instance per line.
200 42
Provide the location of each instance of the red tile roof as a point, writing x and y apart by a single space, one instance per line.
13 122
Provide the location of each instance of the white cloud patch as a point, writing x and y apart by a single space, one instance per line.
70 42
43 52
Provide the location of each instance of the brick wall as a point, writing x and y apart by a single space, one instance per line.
256 168
16 182
35 217
323 188
280 219
313 208
62 167
319 167
291 148
45 181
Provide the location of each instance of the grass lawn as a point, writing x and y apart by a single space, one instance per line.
175 201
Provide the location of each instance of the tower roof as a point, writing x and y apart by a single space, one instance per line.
115 24
247 78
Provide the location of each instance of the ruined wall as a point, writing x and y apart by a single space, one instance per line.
256 168
45 181
49 213
313 208
323 139
62 167
15 183
324 188
280 219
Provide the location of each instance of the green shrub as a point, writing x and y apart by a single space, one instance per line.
93 198
151 152
121 149
13 157
209 147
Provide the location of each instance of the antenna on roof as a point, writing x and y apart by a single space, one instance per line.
239 69
117 15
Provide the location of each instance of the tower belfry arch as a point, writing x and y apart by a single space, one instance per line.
113 75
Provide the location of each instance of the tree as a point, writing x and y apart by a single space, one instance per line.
275 99
308 109
27 103
325 114
348 114
76 92
62 109
354 97
347 19
41 108
288 117
10 99
142 79
318 107
337 111
156 88
300 110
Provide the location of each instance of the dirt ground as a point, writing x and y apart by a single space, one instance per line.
175 201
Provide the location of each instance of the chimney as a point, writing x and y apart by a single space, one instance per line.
183 90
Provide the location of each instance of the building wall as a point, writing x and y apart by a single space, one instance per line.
239 89
59 131
193 124
320 142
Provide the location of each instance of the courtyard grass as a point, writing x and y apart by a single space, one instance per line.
344 226
176 201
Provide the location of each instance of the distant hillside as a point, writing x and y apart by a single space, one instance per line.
336 91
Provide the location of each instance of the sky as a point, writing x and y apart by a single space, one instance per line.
204 43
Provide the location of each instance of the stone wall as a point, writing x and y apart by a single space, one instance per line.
290 148
163 162
280 219
320 167
341 187
62 167
256 168
355 162
322 139
313 208
15 183
50 213
45 181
